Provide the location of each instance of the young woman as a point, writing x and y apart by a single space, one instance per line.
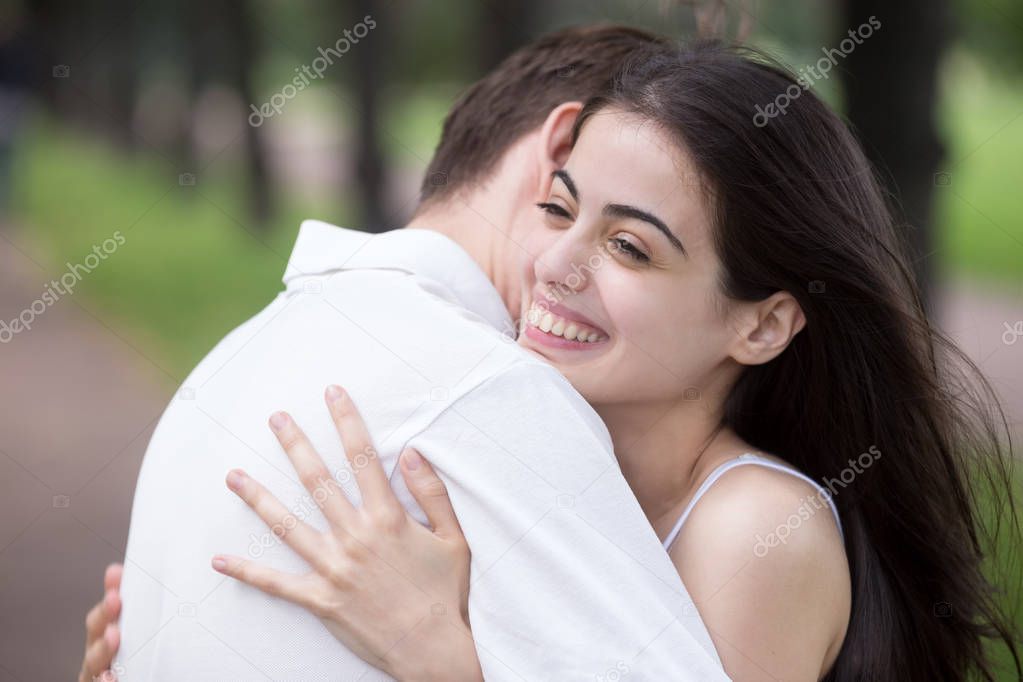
797 434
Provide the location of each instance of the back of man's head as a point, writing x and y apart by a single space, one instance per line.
570 65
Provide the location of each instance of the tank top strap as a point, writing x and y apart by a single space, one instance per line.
747 458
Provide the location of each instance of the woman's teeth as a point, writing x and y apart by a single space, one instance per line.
550 323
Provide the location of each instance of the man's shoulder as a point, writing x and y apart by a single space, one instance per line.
532 397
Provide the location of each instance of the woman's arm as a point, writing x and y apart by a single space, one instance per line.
390 589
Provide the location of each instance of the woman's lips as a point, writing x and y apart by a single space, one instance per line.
561 328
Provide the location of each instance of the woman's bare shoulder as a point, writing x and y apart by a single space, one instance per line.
765 564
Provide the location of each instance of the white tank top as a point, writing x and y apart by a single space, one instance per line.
747 458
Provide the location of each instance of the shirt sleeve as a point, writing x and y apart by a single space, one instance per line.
568 579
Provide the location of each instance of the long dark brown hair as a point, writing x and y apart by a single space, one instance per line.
797 207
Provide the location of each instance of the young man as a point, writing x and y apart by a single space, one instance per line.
569 580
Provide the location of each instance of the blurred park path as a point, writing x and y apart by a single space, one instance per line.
80 401
987 323
78 406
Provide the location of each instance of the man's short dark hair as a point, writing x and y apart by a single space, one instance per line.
570 65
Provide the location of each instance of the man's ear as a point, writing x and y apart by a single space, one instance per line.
556 141
766 328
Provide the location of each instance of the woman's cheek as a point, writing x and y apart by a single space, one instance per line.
637 314
667 335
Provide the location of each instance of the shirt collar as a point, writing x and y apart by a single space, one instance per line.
322 248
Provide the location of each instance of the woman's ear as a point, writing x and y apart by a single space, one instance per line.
766 328
556 141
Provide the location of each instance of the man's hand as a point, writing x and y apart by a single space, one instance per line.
102 638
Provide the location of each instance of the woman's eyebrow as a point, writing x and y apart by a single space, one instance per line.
567 179
623 211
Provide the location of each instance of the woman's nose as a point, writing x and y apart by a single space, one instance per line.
565 265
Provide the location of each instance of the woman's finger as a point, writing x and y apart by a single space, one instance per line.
297 534
100 655
362 456
112 605
293 588
313 473
431 494
112 577
95 622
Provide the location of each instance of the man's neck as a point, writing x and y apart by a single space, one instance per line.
482 219
479 226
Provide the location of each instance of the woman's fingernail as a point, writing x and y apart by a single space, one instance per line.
219 564
412 460
235 479
278 420
334 393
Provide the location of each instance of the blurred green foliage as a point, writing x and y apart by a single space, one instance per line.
980 227
994 30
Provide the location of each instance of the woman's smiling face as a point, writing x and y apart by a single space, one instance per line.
621 288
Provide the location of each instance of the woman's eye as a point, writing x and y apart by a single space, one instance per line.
554 210
628 248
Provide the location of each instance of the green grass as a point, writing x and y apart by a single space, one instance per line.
1003 566
192 265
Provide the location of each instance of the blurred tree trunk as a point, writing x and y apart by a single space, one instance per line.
122 63
506 27
221 45
370 171
195 19
243 57
891 94
61 30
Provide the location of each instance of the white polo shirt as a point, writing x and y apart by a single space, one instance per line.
569 581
